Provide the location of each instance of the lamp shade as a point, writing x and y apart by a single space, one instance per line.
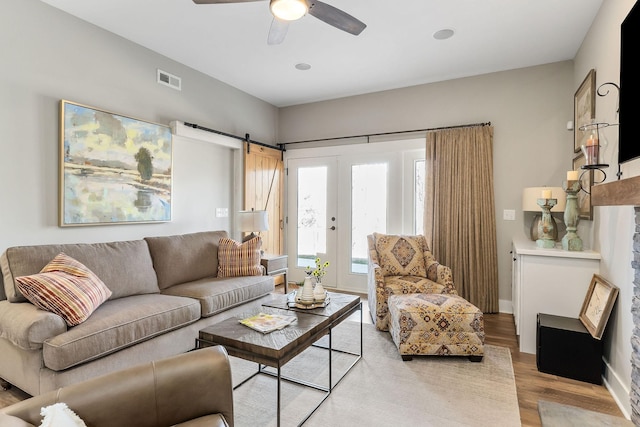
253 221
531 195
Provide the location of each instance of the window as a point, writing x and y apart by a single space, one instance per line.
368 209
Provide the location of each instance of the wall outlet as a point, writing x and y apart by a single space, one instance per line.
222 212
509 215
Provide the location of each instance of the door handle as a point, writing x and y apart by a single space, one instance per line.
333 227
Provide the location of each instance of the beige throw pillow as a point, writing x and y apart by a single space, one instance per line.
401 255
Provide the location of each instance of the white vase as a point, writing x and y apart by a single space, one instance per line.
319 292
306 296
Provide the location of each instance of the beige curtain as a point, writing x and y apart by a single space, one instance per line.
459 214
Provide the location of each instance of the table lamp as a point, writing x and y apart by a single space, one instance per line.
252 221
530 198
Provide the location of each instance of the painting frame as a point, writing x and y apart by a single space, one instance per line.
584 108
597 305
113 169
585 209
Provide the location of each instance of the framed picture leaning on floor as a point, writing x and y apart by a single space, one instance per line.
597 305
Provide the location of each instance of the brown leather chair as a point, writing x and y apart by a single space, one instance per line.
192 389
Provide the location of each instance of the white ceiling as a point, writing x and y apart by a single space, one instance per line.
229 41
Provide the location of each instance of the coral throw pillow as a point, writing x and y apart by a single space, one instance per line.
239 259
401 255
65 287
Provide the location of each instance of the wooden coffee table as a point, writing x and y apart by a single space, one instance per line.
277 348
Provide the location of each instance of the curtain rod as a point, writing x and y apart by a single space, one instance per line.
246 137
387 133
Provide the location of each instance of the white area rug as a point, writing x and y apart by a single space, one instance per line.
382 390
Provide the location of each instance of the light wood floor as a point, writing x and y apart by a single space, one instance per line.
531 384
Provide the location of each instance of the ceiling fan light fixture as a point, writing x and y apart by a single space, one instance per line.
288 10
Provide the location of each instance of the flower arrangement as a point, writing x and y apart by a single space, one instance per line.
320 270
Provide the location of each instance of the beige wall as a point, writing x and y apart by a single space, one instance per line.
529 109
48 55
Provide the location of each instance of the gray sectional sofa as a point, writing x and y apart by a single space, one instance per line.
164 290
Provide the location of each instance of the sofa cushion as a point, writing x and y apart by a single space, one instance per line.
401 255
220 294
239 259
134 274
65 287
118 324
186 257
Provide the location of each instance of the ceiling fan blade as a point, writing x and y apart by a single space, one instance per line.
277 32
221 1
336 17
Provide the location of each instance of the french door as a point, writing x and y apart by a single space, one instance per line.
334 202
312 216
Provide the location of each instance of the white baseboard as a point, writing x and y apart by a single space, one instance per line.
619 391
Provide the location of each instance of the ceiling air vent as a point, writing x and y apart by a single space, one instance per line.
170 80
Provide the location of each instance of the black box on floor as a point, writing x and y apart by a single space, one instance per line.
566 348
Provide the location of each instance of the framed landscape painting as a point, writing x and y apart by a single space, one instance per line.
113 169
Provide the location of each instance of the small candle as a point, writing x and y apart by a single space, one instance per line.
546 194
572 175
591 150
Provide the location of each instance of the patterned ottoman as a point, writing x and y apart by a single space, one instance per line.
436 324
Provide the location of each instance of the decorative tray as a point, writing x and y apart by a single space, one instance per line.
317 303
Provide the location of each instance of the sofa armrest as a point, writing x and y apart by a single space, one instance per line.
439 273
164 392
9 421
376 297
376 294
26 326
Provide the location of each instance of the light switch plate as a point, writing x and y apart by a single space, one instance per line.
509 215
222 212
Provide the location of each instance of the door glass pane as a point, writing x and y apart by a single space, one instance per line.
418 185
312 214
368 209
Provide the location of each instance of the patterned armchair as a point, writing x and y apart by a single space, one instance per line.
402 265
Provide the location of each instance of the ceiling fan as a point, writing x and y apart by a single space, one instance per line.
285 11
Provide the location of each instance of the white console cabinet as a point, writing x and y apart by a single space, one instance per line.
551 281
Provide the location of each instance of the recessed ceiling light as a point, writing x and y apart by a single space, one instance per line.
303 66
443 34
